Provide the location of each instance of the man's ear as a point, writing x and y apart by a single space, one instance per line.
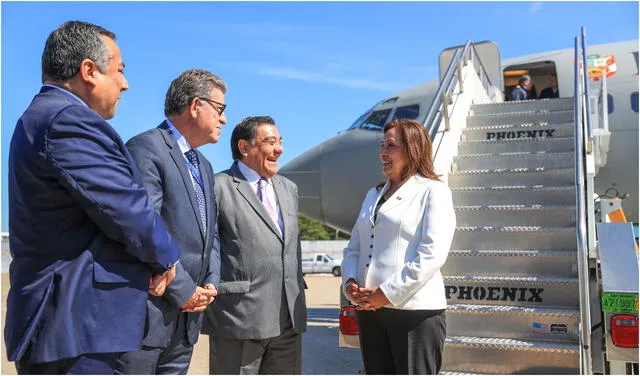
243 146
88 71
194 107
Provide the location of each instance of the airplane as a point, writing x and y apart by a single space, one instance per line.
334 176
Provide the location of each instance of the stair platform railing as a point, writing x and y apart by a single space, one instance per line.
582 122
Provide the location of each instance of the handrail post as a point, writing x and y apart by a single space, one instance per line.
460 76
445 110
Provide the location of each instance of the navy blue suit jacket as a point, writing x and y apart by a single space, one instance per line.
518 93
169 184
84 236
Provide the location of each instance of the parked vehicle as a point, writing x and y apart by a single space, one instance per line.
320 263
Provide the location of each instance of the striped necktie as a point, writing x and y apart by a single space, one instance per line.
194 167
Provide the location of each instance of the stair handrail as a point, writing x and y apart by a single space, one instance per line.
452 76
587 104
581 121
434 114
603 116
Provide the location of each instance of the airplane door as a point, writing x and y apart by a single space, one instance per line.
489 55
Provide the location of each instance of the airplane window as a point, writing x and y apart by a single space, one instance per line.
376 120
356 123
634 101
410 112
610 103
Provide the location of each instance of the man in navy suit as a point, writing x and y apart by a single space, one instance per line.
87 245
521 91
180 182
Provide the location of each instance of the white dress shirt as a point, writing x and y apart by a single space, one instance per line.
253 178
402 252
184 147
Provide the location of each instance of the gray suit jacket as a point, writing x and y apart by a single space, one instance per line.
256 262
168 182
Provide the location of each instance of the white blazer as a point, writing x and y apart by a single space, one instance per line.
402 252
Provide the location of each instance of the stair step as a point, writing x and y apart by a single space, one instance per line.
509 356
512 263
548 144
516 238
513 176
514 132
514 195
513 160
525 117
540 105
516 291
521 323
516 215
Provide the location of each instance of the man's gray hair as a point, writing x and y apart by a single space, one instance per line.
524 78
69 45
188 85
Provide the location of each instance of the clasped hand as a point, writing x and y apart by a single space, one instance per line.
366 299
159 282
200 299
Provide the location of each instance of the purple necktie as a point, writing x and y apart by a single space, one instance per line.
266 201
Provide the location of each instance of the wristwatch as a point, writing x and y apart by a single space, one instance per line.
346 285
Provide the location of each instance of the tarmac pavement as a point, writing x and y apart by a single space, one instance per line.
320 352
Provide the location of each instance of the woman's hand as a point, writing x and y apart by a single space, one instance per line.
371 299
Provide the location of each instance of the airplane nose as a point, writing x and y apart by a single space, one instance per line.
334 177
304 170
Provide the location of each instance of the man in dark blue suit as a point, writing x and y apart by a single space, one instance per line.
180 182
521 91
87 245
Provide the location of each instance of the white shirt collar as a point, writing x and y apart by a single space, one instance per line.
66 91
182 142
251 176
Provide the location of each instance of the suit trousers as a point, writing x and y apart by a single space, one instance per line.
85 364
397 341
171 360
280 355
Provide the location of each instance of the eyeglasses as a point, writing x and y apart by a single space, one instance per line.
211 102
270 140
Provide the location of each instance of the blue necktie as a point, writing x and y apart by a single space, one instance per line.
192 157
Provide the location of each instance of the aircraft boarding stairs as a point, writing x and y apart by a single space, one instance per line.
511 276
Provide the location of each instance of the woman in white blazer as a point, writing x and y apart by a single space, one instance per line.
391 266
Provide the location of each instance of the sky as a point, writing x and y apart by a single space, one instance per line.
313 66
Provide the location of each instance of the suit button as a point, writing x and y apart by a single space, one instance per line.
371 246
367 265
371 236
369 256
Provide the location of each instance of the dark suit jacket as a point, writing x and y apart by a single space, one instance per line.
548 93
257 264
519 94
85 238
170 188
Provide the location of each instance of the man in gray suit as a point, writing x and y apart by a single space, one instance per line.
180 183
256 324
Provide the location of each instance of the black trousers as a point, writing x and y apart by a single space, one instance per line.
396 341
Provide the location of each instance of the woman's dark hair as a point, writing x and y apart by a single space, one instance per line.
416 146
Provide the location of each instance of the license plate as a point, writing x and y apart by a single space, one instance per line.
621 303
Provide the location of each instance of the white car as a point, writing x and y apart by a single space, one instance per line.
320 263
